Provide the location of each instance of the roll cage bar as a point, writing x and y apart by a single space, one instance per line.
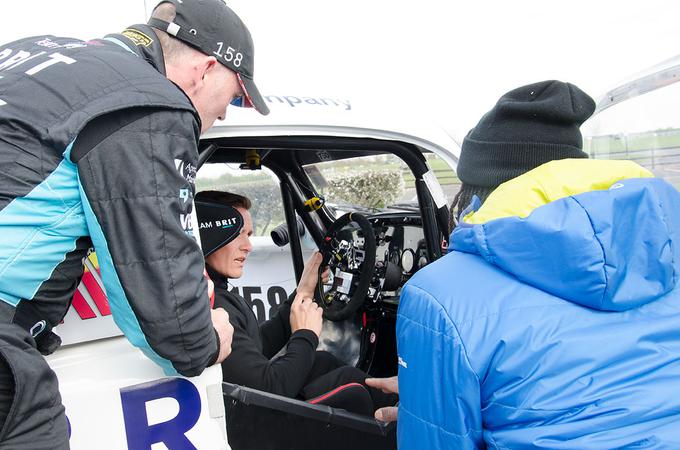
311 149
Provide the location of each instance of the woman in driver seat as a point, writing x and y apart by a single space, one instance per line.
256 360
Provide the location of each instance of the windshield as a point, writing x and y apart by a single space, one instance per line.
375 183
645 129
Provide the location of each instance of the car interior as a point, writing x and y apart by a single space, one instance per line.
370 253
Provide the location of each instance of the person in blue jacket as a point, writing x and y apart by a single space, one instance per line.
553 320
529 126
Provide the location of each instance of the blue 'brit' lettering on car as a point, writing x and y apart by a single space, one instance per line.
140 434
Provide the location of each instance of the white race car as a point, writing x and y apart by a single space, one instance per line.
371 190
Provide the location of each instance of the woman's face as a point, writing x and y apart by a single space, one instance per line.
230 259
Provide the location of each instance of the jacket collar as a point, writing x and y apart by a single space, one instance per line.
598 233
143 42
220 280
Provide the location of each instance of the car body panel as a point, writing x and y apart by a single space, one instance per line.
115 397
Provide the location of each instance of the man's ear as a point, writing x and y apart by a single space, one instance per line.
206 66
190 74
194 74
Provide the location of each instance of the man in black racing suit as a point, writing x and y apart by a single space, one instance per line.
98 147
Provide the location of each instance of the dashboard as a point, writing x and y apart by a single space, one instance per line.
400 252
368 339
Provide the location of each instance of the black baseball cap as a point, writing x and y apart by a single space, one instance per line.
211 27
218 225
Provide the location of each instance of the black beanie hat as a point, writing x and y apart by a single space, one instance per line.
529 126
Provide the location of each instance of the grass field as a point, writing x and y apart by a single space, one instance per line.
657 150
445 175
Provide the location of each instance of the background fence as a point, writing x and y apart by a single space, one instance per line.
657 150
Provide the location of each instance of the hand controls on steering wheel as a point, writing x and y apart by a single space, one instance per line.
349 251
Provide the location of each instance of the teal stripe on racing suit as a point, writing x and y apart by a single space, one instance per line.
38 230
120 305
136 183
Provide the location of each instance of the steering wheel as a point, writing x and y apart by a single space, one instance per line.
348 250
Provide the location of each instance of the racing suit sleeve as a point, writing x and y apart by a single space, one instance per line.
439 392
276 331
137 187
248 366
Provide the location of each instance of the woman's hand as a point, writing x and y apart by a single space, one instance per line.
310 274
305 314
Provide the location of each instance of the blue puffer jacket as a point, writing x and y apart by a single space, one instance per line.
553 323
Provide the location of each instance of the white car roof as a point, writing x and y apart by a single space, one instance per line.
330 116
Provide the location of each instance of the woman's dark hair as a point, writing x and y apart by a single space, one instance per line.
462 200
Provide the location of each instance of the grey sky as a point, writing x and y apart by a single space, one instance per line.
449 60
